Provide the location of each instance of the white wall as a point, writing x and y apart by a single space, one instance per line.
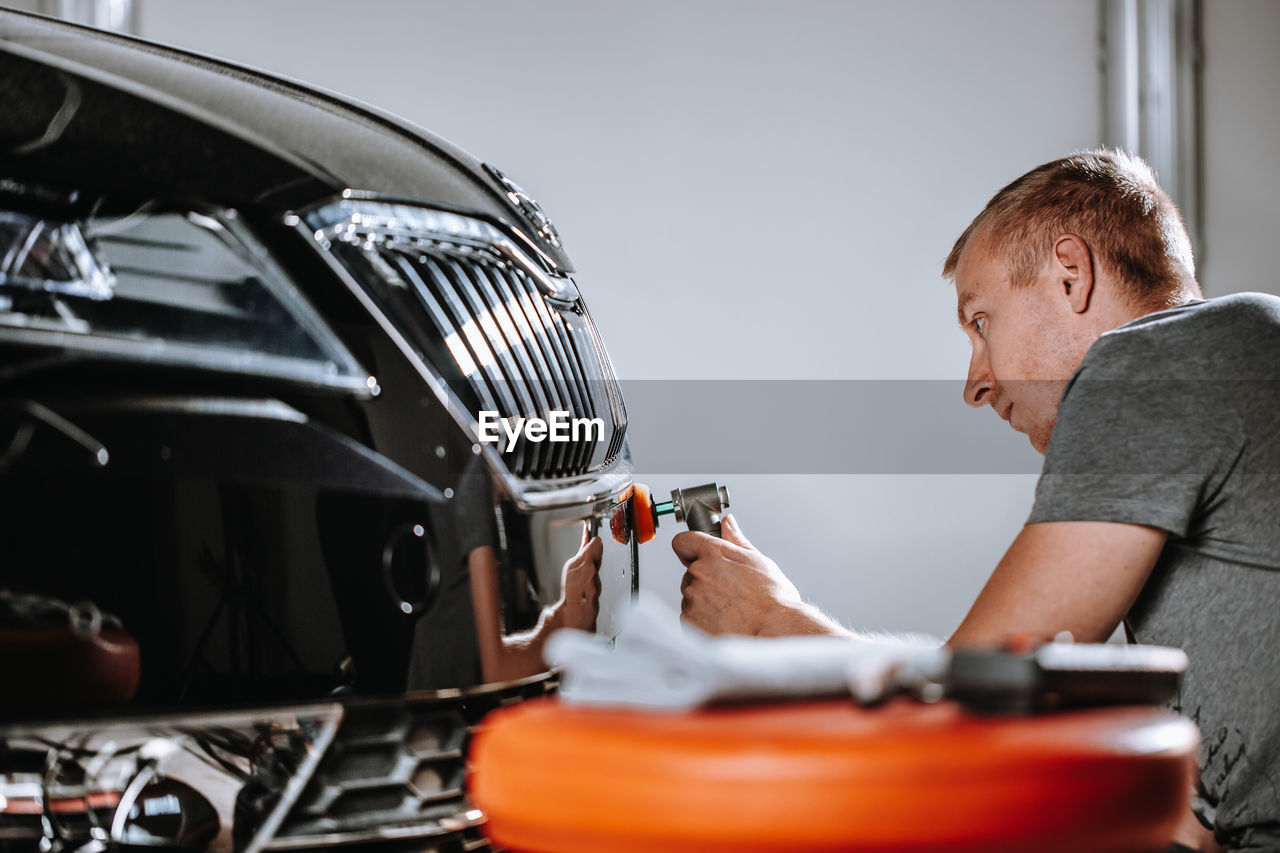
1241 146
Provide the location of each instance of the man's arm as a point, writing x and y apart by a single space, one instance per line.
504 657
1077 576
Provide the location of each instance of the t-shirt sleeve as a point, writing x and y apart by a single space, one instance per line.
1136 451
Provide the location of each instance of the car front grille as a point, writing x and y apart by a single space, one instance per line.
388 767
477 310
395 772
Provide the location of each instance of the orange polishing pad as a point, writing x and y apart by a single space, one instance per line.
831 776
642 517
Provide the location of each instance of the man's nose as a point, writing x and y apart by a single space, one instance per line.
980 384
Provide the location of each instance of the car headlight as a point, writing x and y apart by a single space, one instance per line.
175 287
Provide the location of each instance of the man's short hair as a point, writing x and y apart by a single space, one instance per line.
1108 198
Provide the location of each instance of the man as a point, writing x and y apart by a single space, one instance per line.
1159 500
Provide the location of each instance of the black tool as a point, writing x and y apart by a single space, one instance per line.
1064 675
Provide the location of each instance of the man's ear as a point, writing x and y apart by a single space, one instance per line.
1073 271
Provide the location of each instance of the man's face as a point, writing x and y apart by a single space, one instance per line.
1026 342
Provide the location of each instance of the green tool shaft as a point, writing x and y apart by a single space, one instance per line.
664 508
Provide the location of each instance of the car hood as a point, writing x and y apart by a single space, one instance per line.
97 110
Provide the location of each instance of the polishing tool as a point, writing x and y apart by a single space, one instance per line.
699 507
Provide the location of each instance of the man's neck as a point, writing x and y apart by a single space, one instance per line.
1123 311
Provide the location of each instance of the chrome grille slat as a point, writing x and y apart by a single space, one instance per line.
527 454
551 380
577 457
609 382
583 391
517 341
543 336
474 337
547 325
582 398
542 349
497 319
575 364
498 345
445 326
589 382
542 453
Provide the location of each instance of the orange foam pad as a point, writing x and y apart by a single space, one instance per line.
829 776
643 522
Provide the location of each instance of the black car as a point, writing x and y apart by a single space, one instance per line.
255 340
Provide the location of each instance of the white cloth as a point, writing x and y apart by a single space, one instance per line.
658 663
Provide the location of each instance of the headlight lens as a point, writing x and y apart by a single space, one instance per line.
187 288
51 256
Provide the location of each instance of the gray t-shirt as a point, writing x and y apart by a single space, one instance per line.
1173 421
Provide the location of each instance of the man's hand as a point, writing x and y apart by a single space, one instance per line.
729 587
579 603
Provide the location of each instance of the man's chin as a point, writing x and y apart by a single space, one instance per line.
1039 438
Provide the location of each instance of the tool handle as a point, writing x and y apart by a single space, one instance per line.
700 507
1065 675
702 518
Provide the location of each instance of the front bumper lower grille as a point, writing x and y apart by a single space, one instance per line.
372 774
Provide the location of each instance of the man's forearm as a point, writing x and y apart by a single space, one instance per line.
802 619
520 655
799 618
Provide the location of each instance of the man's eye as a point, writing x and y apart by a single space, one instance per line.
980 323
